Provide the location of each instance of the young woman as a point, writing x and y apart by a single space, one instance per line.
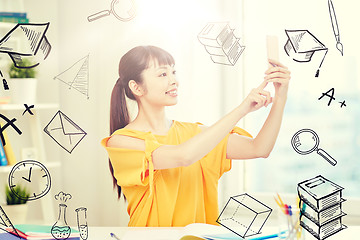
169 170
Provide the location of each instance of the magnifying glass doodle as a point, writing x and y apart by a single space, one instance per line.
123 10
306 141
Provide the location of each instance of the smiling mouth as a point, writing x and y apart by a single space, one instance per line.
172 92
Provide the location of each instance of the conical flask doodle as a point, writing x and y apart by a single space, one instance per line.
61 230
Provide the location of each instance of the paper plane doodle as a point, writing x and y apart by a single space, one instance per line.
33 44
64 131
77 76
301 46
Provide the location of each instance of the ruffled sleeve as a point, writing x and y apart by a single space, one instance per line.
133 167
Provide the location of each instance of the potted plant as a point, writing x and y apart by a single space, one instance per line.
16 208
22 83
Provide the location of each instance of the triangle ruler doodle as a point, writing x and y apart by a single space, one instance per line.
77 76
5 223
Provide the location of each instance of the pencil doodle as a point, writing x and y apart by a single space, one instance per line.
5 223
5 84
77 76
60 229
321 207
301 46
82 222
221 43
240 223
64 131
306 141
34 44
28 109
123 10
331 97
335 27
7 124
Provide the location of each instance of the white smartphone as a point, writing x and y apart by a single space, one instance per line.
272 45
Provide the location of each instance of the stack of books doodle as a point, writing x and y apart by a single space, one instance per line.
321 207
220 42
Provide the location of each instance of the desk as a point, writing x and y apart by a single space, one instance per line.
103 233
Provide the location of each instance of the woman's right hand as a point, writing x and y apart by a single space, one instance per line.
257 98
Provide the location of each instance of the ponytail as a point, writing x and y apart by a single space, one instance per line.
119 113
119 118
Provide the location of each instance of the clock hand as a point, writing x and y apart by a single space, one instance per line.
28 179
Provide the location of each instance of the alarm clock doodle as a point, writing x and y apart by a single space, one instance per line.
32 175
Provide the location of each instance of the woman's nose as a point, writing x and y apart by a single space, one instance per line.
173 81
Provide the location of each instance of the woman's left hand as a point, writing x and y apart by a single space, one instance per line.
279 75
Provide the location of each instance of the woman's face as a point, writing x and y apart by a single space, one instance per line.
160 84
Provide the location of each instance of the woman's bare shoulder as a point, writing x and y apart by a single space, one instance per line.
123 141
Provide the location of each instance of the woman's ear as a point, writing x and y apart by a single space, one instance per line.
136 88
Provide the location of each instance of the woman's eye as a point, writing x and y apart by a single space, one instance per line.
163 75
174 72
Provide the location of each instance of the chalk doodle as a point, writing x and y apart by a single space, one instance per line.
301 46
331 97
221 43
335 27
82 222
64 131
33 175
77 76
247 215
123 10
306 141
7 124
321 207
34 44
60 229
28 109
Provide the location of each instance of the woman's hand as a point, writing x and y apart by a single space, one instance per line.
257 98
279 75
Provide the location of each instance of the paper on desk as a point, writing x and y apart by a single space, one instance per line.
195 231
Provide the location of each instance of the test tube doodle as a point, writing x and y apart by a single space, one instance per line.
82 222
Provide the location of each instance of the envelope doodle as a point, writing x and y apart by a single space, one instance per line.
64 131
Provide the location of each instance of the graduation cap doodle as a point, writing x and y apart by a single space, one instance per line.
301 46
34 44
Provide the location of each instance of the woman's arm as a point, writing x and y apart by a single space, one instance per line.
170 156
240 147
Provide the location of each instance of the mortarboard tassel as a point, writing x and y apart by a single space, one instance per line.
318 71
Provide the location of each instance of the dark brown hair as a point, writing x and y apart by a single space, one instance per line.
131 66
